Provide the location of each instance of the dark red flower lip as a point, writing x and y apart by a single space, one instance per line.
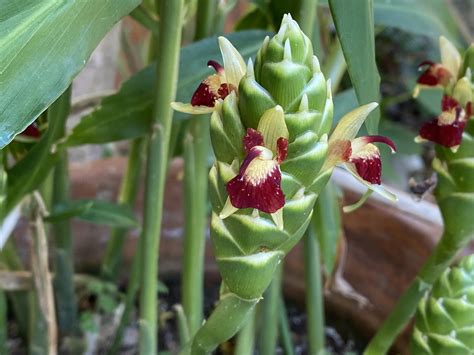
449 135
366 157
434 74
32 131
260 189
447 132
258 184
212 88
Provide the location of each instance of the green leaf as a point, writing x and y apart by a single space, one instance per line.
127 114
44 44
94 211
354 22
430 18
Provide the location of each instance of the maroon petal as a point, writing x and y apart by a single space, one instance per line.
380 139
468 109
449 135
282 149
369 167
217 67
434 74
258 184
251 139
209 91
448 103
32 131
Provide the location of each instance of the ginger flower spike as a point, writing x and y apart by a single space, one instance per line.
216 86
258 182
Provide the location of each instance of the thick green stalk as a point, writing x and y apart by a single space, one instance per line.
167 77
285 332
63 254
314 292
132 289
3 323
246 337
196 151
195 188
442 257
269 322
127 196
307 13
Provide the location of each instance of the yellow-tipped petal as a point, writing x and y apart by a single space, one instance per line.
272 126
350 124
227 210
278 218
234 65
375 188
193 110
450 57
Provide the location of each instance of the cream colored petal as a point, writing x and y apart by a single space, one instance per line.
450 57
234 65
193 110
272 126
350 124
374 187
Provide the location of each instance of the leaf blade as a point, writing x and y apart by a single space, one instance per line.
44 45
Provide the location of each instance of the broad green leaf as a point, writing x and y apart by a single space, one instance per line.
354 22
26 175
94 211
424 17
44 44
127 114
430 18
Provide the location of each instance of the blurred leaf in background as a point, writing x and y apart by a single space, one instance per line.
44 44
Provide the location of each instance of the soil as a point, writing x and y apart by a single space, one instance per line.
339 338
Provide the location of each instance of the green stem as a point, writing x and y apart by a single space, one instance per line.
285 332
196 150
246 337
3 323
335 66
306 16
145 18
63 254
270 304
167 77
195 191
442 257
127 196
132 289
314 292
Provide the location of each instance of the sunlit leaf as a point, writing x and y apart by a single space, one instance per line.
44 44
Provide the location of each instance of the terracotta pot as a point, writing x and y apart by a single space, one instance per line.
386 244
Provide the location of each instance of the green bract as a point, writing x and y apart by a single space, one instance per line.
445 318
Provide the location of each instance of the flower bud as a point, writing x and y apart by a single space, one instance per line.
445 319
